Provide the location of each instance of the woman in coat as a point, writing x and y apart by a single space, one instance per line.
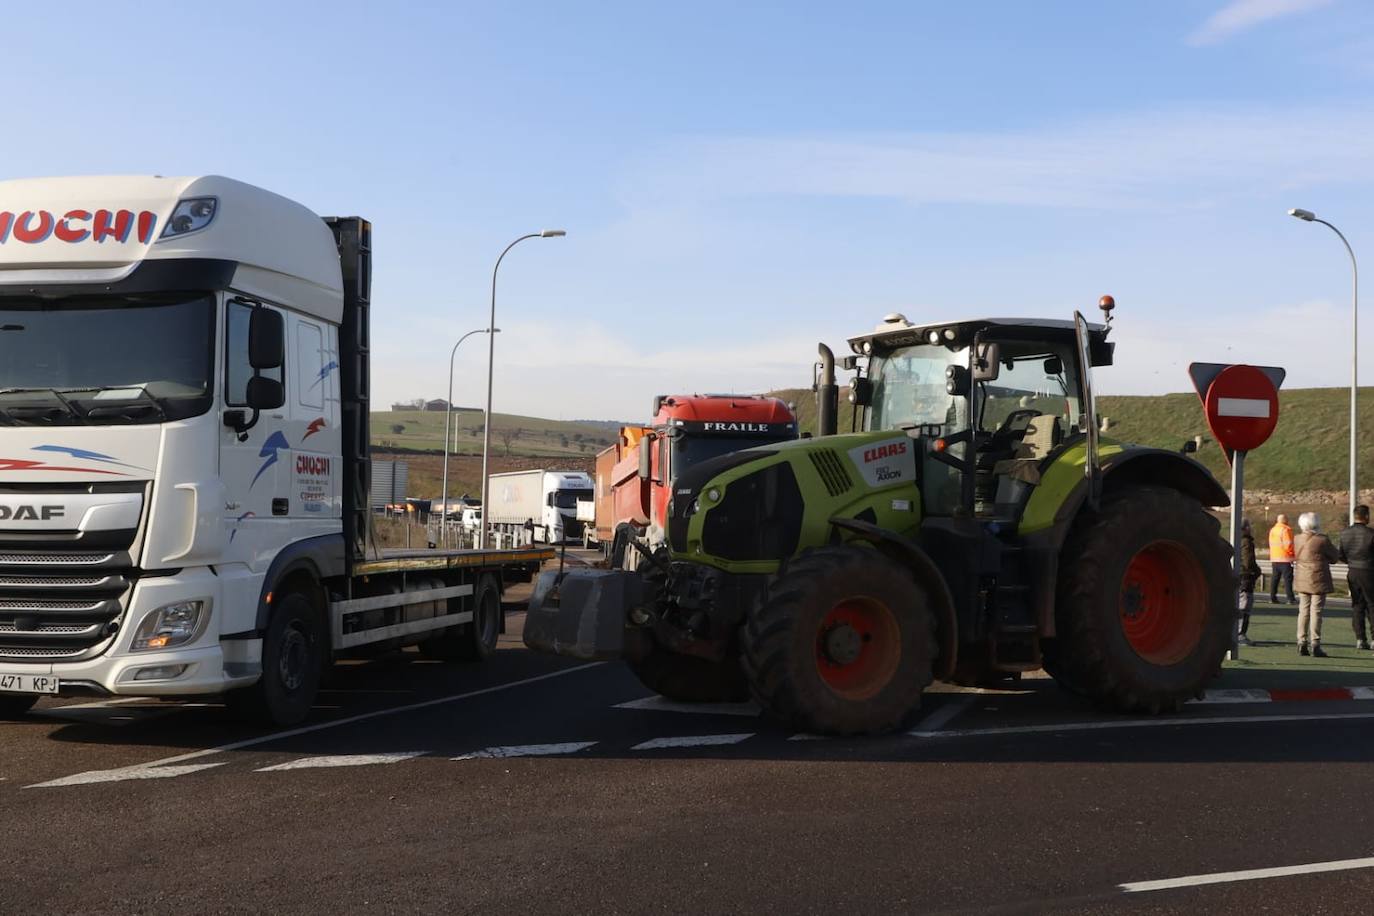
1249 575
1313 555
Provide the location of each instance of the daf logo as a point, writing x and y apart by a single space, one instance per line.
31 513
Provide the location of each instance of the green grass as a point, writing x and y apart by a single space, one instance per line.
423 430
1275 661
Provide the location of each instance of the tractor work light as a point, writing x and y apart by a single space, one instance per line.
933 336
191 215
170 625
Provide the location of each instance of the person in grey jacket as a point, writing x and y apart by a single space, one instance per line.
1357 552
1313 555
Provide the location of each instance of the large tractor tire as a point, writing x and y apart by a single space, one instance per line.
843 645
689 679
1146 603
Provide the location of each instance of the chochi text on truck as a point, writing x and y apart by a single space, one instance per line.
545 499
184 477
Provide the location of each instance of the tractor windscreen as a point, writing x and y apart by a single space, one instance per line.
909 389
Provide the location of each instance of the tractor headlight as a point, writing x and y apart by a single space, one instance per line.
171 625
713 495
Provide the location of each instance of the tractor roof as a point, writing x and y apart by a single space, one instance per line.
896 331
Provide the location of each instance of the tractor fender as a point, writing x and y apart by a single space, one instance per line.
907 551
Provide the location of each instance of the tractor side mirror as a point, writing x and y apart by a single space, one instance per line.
957 381
266 339
986 364
1054 366
860 392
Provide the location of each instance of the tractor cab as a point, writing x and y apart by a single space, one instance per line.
988 402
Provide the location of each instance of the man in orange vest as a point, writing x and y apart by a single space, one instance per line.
1281 558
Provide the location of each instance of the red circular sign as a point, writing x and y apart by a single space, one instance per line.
1242 408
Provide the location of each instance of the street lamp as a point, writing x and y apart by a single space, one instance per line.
491 364
448 417
1309 217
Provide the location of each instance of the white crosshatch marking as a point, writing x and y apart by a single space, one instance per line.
1243 407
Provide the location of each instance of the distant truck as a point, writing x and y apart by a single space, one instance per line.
185 486
545 499
634 476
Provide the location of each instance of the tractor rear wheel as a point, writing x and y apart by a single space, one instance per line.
689 679
1146 602
843 644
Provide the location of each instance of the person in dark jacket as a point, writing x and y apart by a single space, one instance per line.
1249 575
1357 552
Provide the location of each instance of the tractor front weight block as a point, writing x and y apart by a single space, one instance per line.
582 613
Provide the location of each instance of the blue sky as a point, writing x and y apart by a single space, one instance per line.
740 181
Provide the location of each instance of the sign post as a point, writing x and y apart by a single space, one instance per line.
1242 407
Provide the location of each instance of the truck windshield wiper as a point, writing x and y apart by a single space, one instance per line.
144 402
57 394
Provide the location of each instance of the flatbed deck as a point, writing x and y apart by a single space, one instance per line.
400 559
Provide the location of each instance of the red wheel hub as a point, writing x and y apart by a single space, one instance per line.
1163 603
858 648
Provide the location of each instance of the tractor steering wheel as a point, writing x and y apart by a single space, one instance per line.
1016 422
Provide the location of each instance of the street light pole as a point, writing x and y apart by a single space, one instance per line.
1310 217
448 418
491 365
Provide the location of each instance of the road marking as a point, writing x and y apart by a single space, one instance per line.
124 773
1232 696
1136 723
1362 693
807 736
692 741
944 714
527 750
663 704
363 717
343 760
1253 874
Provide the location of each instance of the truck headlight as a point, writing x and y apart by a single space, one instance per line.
171 625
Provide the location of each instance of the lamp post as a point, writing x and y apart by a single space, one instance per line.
448 418
1310 217
491 365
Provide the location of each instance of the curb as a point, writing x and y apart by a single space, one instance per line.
1293 695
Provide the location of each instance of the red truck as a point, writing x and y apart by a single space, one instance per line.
634 477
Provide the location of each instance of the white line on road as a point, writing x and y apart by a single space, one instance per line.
692 741
1233 696
1253 874
343 760
1162 722
123 773
662 704
363 717
527 750
944 714
1362 693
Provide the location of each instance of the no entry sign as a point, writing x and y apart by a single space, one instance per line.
1241 402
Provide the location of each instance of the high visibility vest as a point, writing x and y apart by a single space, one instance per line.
1281 544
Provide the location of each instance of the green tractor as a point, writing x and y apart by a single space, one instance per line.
975 528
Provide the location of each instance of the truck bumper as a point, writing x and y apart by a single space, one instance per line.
583 613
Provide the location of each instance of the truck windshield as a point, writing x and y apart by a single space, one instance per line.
909 389
689 450
567 499
105 359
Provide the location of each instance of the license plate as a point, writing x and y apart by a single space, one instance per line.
28 683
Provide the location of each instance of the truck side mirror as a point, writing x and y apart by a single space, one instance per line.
956 381
860 392
986 362
645 458
266 340
265 393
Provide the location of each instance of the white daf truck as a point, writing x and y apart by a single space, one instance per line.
184 476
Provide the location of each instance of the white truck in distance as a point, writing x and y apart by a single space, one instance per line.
184 473
547 499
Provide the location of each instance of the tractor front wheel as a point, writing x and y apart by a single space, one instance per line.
843 645
1146 602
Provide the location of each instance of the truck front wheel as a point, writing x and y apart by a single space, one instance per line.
1146 602
843 645
293 660
14 705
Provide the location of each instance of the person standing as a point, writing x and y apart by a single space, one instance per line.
1357 553
1313 554
1249 574
1281 559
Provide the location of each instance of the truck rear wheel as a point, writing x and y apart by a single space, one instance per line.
689 679
1146 602
475 641
293 658
14 705
843 644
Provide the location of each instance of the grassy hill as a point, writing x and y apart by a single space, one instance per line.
1308 450
423 430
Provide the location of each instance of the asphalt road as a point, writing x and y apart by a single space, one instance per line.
527 785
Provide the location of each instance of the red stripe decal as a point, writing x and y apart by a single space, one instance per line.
1310 694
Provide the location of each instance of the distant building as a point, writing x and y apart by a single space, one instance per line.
438 404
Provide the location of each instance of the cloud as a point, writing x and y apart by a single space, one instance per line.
1155 160
1239 15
